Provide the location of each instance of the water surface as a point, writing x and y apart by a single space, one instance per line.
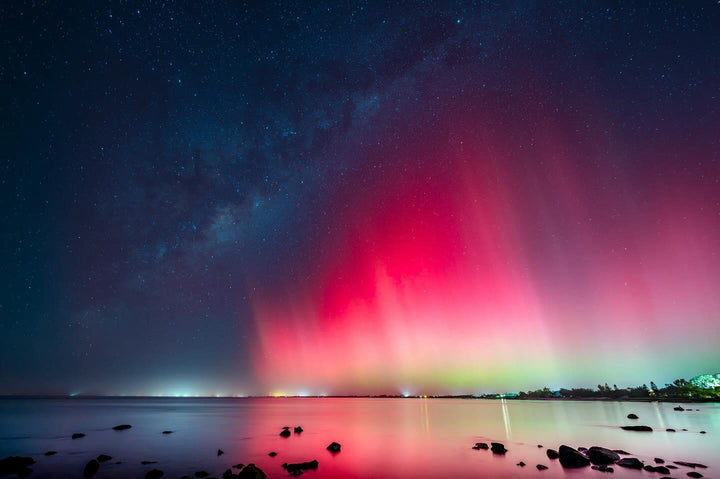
381 438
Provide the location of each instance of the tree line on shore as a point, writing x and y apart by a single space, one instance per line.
680 389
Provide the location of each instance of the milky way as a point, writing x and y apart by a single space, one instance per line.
367 198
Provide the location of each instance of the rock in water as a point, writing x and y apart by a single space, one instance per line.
694 474
16 465
78 435
480 445
220 452
285 432
154 474
122 427
632 416
103 458
51 453
552 453
541 467
570 457
228 474
167 432
690 464
333 447
659 469
603 468
497 448
637 428
521 464
659 460
300 466
298 429
630 463
91 468
202 474
251 471
600 455
272 453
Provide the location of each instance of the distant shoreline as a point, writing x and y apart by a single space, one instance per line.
464 397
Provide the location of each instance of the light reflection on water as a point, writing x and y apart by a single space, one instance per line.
380 437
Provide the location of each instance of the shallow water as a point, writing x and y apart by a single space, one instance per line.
381 438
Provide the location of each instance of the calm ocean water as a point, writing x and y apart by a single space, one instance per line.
381 438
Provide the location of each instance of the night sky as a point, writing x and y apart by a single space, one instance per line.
357 197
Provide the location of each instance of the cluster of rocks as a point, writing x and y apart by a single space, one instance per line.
598 458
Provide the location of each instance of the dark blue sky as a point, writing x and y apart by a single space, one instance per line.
164 163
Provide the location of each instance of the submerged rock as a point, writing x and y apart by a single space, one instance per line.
660 469
78 435
552 454
103 458
637 428
632 416
145 463
334 447
690 464
620 451
541 467
154 474
600 455
51 453
497 448
91 468
122 427
16 465
481 445
570 457
630 463
251 471
603 468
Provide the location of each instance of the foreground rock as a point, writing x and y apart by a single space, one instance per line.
497 448
251 471
16 465
600 455
122 427
637 428
154 474
570 457
552 454
91 468
334 447
630 463
299 467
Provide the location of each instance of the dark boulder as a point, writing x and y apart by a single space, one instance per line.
122 427
16 465
145 463
621 451
670 429
703 432
481 445
570 457
285 432
603 468
659 469
520 464
103 458
251 471
91 468
637 428
167 432
694 474
228 474
659 460
272 453
552 453
333 447
220 452
238 466
154 474
632 416
497 448
539 446
541 467
78 435
51 453
600 455
298 429
630 463
202 474
678 408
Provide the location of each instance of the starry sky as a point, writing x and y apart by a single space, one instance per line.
357 197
